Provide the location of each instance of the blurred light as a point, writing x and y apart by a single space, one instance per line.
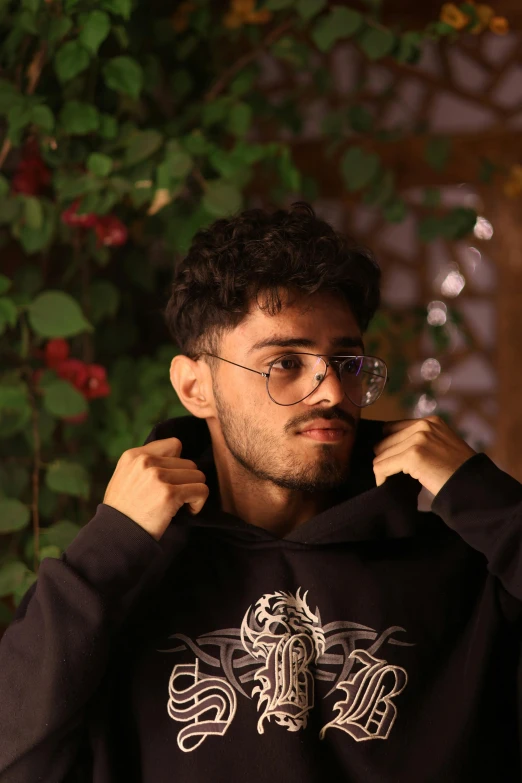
426 405
143 183
437 313
483 228
452 284
473 258
430 369
442 384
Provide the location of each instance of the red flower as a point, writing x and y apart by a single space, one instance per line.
73 370
110 231
56 351
96 385
71 218
32 175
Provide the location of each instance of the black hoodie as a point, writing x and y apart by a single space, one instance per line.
374 643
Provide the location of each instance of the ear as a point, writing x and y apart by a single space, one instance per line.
192 382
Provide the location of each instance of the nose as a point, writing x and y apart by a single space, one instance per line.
330 389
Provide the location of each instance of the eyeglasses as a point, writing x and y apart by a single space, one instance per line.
293 377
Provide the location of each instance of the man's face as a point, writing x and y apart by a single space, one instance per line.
264 437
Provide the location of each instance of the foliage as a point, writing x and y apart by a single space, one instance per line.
123 132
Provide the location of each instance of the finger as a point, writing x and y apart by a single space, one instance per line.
194 495
168 447
399 446
176 476
171 463
399 463
391 441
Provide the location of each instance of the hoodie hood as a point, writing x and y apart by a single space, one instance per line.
360 510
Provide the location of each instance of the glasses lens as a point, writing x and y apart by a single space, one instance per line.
294 376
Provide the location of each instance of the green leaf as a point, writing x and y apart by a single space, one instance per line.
459 222
243 82
429 228
307 9
14 516
8 313
409 49
377 42
118 7
105 300
178 161
11 577
221 198
239 119
360 119
99 164
432 197
33 212
28 579
486 170
56 314
33 239
4 186
338 24
49 551
5 284
43 118
288 171
95 30
278 5
78 118
395 211
437 151
61 534
59 26
71 478
18 117
359 168
62 399
215 111
142 145
108 127
70 60
124 75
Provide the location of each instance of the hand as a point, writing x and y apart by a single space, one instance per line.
151 483
427 449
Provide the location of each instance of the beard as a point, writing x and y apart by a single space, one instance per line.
260 453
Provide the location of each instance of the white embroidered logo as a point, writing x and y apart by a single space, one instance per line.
286 649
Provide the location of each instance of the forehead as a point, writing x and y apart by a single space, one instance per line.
317 316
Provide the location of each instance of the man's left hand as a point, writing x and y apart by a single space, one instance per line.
427 449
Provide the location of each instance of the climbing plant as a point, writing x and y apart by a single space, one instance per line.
123 130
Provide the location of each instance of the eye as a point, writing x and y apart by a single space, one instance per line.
287 363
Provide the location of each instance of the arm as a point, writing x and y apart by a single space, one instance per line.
483 504
55 652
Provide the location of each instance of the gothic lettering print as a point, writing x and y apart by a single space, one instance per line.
275 656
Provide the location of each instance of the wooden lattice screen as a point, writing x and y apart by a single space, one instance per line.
471 92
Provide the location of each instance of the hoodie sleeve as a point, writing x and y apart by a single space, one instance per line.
483 504
55 652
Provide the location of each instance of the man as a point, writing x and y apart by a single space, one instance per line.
271 605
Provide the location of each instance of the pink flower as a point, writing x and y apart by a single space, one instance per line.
71 217
110 231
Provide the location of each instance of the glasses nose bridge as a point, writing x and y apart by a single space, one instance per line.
336 365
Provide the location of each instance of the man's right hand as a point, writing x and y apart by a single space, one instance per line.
152 482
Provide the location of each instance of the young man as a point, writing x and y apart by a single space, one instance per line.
258 598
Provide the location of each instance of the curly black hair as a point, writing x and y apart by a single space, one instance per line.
235 260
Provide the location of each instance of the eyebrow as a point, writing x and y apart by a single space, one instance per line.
302 342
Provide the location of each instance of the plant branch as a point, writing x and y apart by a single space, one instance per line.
34 71
246 59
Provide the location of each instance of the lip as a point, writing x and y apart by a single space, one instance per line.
323 424
324 435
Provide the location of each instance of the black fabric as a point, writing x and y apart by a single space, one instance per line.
374 643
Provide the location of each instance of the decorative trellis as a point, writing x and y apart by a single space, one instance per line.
470 92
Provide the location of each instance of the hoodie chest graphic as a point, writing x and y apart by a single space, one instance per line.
280 649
